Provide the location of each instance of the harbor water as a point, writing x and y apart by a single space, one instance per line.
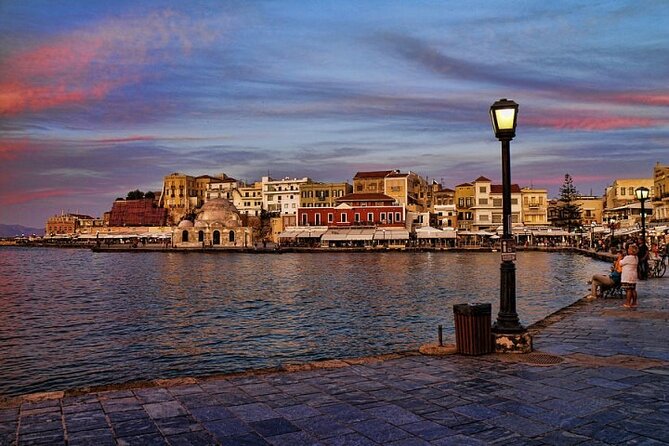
74 318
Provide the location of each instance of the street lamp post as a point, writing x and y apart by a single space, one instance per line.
592 235
612 227
503 114
642 194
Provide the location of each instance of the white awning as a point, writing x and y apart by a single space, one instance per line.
312 233
429 233
289 233
391 234
348 234
550 233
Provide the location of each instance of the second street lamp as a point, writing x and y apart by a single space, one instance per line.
642 194
503 115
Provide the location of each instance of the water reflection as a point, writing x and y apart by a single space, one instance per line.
77 318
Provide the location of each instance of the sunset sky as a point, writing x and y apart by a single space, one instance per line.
98 98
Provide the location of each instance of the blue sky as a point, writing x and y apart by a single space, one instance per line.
100 98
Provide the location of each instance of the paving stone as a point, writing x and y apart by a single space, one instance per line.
177 425
195 400
458 440
521 425
191 439
143 440
476 411
91 437
379 431
563 438
121 404
322 427
273 426
52 437
136 427
82 407
11 414
236 398
227 427
293 439
83 421
118 417
254 412
153 395
115 394
428 430
250 439
166 409
185 389
345 413
297 412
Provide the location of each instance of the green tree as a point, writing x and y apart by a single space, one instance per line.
135 195
150 195
569 213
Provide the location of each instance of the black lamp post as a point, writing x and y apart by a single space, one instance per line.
642 194
503 115
612 227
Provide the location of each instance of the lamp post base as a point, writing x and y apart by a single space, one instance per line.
513 342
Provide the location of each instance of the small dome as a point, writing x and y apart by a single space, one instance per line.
199 224
219 210
185 224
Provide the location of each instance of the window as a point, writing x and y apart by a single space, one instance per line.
356 217
370 216
383 216
343 218
304 219
285 206
630 191
622 191
514 201
526 200
390 217
330 217
497 218
497 202
482 189
359 188
514 218
398 217
317 219
484 217
483 201
461 202
200 236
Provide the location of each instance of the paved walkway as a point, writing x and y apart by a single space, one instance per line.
611 387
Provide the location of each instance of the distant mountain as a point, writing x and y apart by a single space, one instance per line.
16 230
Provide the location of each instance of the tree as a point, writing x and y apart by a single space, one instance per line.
150 195
569 213
135 195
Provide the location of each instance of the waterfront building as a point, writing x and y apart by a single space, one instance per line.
182 194
487 209
371 182
322 194
408 189
464 198
248 199
356 209
282 196
621 193
217 224
67 223
592 209
534 209
220 188
143 212
660 200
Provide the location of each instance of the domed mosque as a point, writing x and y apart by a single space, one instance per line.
217 224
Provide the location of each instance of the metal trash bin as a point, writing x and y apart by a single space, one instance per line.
473 335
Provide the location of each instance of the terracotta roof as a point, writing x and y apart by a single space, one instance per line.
374 174
481 178
365 197
465 185
497 189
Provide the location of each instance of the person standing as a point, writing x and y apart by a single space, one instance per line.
629 276
643 259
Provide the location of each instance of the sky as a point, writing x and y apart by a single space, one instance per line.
101 98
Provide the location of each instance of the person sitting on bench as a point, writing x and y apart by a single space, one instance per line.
611 280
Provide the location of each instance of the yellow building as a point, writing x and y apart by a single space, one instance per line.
534 209
661 198
318 195
592 209
621 192
464 201
248 199
408 189
370 182
183 193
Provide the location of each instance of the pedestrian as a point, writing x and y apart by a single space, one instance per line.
629 276
643 259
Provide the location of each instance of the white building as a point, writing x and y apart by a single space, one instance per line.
249 199
487 207
282 196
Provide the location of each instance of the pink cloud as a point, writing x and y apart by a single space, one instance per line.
594 121
87 65
28 196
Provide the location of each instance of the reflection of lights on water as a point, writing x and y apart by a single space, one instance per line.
116 318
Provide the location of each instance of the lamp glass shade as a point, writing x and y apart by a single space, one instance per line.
503 115
642 193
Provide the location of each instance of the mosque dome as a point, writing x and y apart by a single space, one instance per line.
219 210
185 224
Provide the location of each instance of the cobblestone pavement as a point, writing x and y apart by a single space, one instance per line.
611 387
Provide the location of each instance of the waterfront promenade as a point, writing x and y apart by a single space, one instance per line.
600 375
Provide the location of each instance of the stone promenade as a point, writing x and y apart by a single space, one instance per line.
600 376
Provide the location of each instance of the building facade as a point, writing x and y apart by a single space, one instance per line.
464 201
621 192
592 209
487 209
534 206
248 199
371 182
66 224
322 194
282 196
142 212
660 200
